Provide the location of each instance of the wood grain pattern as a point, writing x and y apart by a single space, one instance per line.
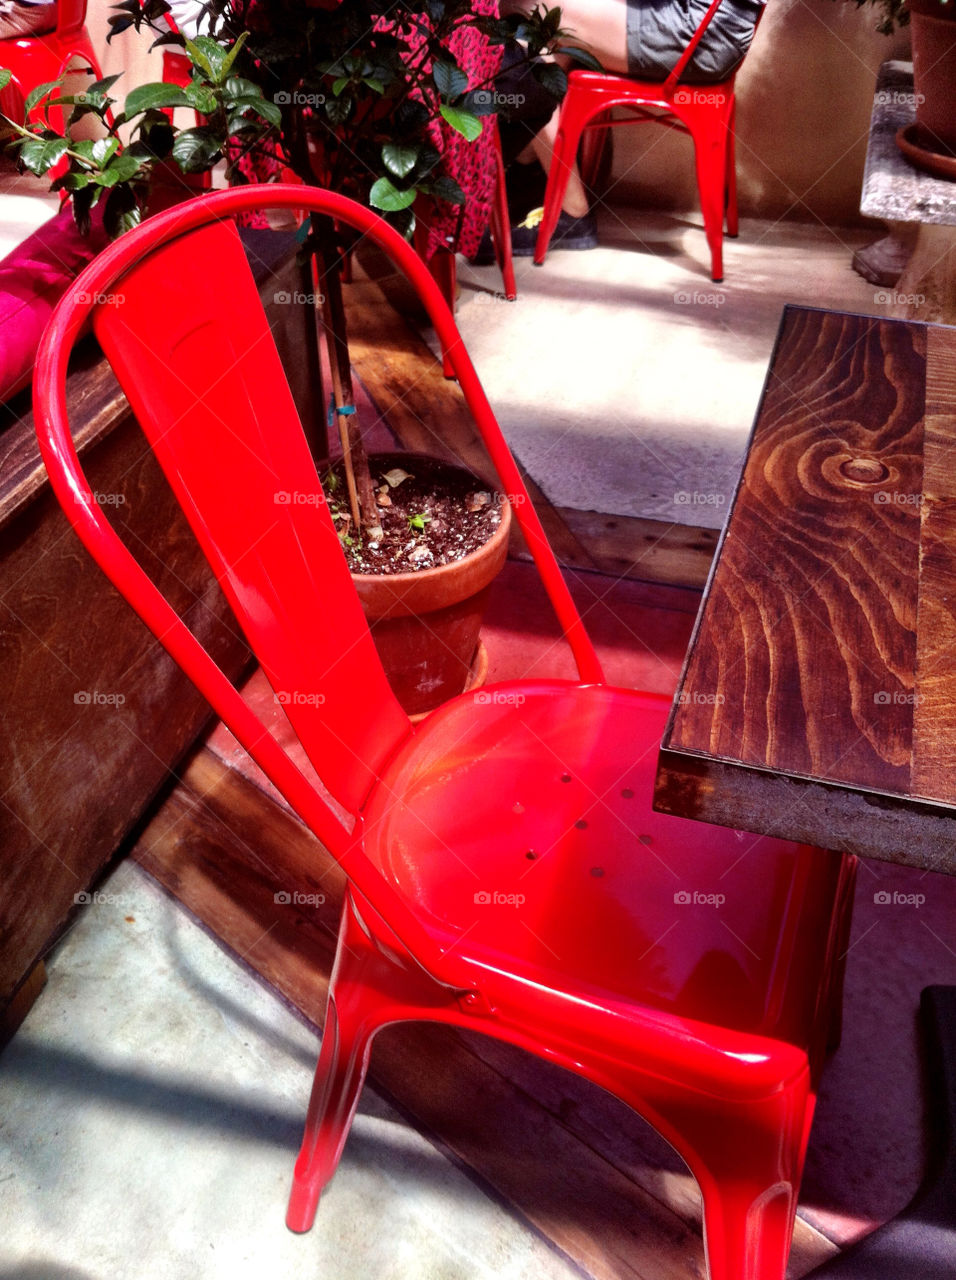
934 753
804 661
818 700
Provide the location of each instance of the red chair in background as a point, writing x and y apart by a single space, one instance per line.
704 111
507 872
36 59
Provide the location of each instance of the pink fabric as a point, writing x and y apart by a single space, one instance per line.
32 279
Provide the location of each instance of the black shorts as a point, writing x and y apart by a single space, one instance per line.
658 32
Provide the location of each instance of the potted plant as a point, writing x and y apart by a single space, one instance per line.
371 98
933 27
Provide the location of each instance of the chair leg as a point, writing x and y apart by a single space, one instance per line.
733 224
369 989
339 1076
501 229
747 1158
709 129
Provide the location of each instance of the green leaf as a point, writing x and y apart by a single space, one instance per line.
40 154
152 97
121 169
551 77
208 55
233 54
71 181
400 160
121 212
200 97
238 87
446 188
38 94
339 85
5 77
463 122
450 81
387 197
104 149
196 149
374 84
103 86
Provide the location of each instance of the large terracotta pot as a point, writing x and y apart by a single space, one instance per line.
934 72
425 624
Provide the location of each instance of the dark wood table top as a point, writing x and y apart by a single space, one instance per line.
818 699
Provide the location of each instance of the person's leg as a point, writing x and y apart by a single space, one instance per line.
19 19
600 26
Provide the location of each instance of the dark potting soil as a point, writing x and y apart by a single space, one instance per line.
430 515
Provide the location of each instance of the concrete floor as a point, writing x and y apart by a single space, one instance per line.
151 1106
624 379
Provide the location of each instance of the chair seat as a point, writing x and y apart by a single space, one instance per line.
519 821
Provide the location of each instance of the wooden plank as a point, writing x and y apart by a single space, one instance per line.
577 1165
86 737
21 1004
934 732
803 661
651 550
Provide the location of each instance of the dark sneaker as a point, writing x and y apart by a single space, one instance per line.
570 233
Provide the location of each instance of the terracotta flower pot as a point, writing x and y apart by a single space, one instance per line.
934 72
425 623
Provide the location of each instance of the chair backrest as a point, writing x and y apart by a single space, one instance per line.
70 16
187 337
179 317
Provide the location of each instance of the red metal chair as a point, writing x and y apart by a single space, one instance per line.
36 59
705 111
506 871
